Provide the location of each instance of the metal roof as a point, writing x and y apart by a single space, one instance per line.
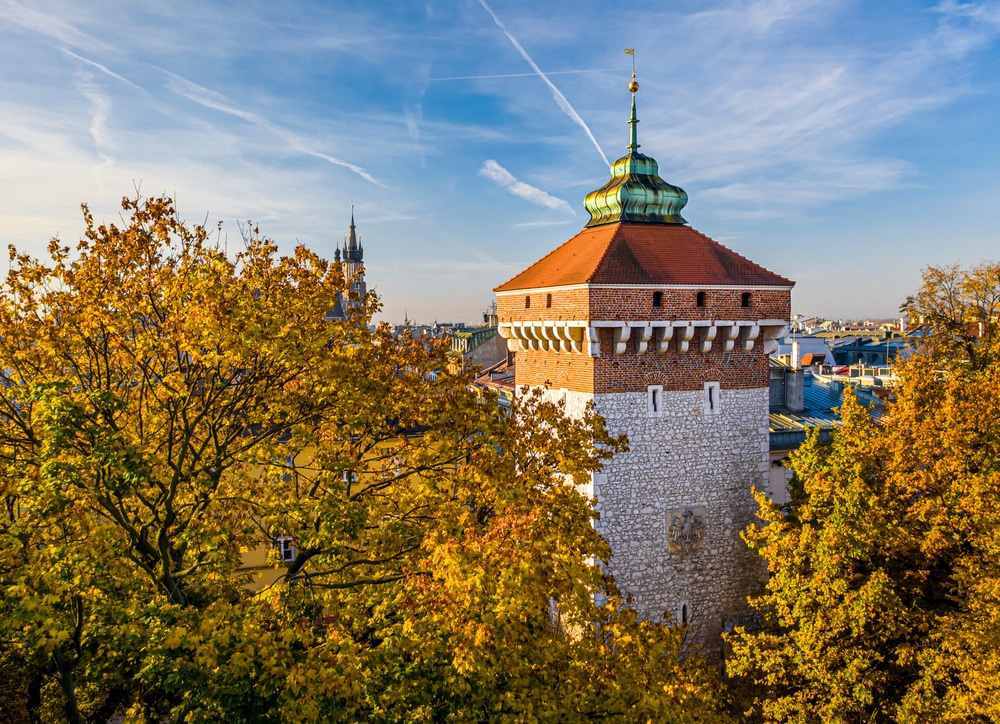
822 399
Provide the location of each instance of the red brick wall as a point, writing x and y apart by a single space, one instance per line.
636 304
567 305
685 371
725 304
632 372
572 371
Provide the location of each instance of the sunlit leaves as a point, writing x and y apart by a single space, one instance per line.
883 597
170 408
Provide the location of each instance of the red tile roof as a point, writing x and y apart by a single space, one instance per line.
643 253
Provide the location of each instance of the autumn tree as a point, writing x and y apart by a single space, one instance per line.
166 408
960 310
883 603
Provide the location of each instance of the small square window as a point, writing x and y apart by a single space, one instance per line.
701 299
745 299
657 299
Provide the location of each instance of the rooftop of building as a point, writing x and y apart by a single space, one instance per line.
630 253
822 397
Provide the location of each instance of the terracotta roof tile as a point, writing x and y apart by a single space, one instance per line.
643 253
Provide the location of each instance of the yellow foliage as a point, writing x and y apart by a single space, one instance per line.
884 590
168 407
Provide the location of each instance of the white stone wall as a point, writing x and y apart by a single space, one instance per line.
687 454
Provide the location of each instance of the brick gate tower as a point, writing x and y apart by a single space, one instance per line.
668 332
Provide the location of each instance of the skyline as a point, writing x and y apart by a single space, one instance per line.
840 145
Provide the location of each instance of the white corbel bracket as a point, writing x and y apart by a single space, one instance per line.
663 332
643 334
730 332
774 330
707 337
620 332
685 333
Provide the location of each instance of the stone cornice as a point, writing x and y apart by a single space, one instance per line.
660 337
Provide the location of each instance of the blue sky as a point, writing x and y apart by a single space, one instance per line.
843 144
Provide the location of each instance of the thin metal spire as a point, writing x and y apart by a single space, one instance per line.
633 137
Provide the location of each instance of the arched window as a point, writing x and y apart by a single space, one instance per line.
548 300
657 299
527 302
702 296
745 299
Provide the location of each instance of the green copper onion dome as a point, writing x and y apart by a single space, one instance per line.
635 191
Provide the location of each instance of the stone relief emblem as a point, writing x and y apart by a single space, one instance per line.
685 527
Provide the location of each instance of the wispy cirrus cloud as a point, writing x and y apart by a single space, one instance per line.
795 124
48 25
560 99
504 178
103 68
100 107
988 12
218 102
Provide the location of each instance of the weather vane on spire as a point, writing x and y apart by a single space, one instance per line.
633 86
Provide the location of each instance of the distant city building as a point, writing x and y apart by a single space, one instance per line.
480 347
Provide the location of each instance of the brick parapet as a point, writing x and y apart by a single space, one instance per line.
629 304
566 305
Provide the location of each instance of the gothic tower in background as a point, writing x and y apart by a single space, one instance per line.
351 259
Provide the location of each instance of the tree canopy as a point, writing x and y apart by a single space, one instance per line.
167 408
960 309
883 603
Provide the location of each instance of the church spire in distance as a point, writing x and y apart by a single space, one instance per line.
635 192
353 251
353 241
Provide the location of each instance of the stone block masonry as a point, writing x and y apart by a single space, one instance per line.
682 458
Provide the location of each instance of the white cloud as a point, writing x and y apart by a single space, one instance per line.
218 102
103 68
498 174
986 12
560 99
48 25
794 123
100 106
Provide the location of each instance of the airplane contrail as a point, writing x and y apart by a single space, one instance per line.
522 75
556 93
103 69
216 101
